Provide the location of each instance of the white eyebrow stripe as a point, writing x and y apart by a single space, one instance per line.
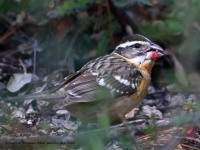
128 43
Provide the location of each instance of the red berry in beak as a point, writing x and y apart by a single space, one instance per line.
154 52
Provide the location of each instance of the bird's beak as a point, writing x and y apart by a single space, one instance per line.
154 52
157 48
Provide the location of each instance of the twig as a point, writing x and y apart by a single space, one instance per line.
110 18
173 143
14 51
12 31
99 16
8 34
34 57
23 66
36 140
190 147
192 139
9 66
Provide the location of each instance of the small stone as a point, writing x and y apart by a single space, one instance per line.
61 131
161 123
30 110
57 122
151 89
30 122
192 97
43 131
63 123
52 14
151 112
113 146
62 112
176 100
22 120
18 113
27 102
150 101
41 104
170 87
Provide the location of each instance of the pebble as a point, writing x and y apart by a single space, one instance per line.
41 104
192 97
151 112
30 122
18 113
30 110
113 146
62 112
161 123
151 89
175 100
64 123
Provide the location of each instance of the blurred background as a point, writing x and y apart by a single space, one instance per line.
41 42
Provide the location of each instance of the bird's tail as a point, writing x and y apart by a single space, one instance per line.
37 96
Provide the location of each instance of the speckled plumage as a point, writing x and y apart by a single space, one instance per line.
88 88
114 83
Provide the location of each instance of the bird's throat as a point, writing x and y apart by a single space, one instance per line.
147 65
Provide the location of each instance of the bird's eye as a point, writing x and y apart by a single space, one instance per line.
137 45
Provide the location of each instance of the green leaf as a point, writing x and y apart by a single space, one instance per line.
104 120
92 140
123 3
69 6
174 25
44 126
44 21
150 129
8 5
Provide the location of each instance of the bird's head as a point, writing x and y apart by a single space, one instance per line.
138 49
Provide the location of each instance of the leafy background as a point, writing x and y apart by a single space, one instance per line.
50 38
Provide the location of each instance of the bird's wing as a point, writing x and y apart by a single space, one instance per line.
64 81
105 79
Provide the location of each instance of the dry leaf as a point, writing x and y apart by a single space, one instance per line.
18 81
131 114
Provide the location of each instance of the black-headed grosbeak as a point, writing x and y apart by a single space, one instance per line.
114 83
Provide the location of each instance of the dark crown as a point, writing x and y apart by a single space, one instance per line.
134 37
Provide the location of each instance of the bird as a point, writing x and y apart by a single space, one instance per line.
114 83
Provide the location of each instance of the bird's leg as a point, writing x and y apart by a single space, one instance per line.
125 123
123 119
